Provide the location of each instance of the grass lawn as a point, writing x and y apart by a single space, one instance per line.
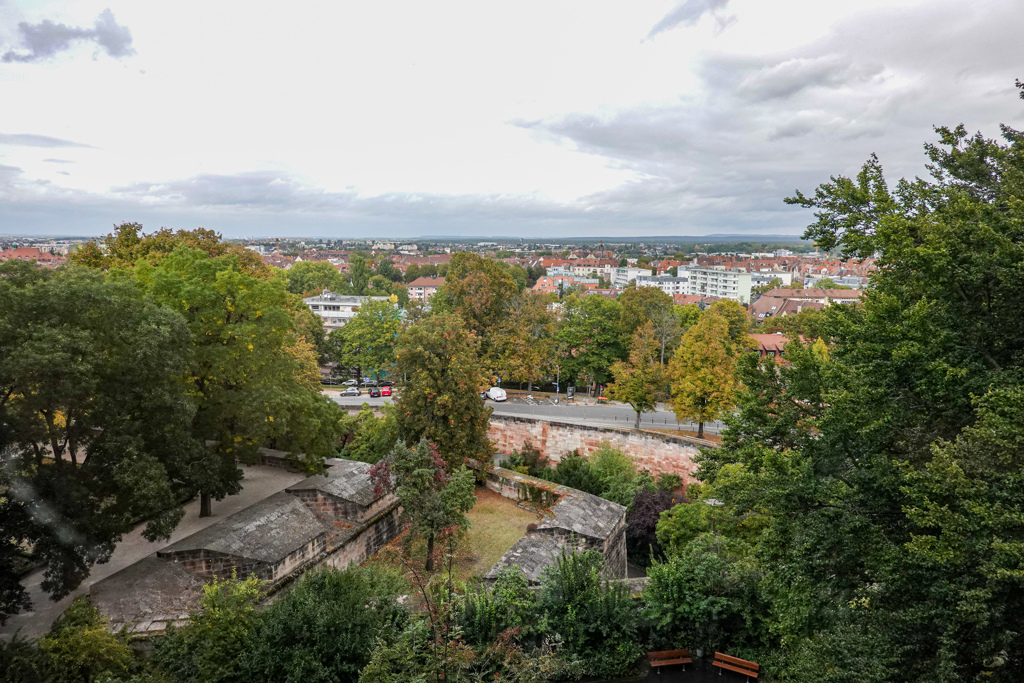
496 524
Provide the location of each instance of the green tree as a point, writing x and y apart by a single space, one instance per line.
774 283
79 647
95 421
829 283
440 401
524 342
639 380
703 372
589 338
434 497
325 628
368 340
212 647
310 278
358 274
639 306
254 377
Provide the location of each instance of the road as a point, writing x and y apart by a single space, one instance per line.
609 415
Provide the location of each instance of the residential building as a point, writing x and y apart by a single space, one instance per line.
717 281
759 278
43 258
666 283
778 302
337 309
422 288
622 276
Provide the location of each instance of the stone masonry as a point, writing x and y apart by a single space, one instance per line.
651 451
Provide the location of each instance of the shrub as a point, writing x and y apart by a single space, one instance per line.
596 621
325 628
80 648
576 472
510 604
642 522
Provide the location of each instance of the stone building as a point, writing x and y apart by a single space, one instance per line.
332 519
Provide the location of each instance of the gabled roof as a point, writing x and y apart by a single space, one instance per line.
346 479
426 282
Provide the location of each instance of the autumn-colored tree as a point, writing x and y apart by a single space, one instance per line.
441 399
524 343
639 380
703 372
639 306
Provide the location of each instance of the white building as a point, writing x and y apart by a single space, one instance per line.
763 277
622 276
666 283
719 282
337 309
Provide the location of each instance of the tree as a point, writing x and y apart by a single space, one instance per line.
588 338
325 628
641 305
441 399
703 372
434 497
524 343
124 247
254 377
309 278
358 274
766 287
95 420
829 283
79 647
639 380
368 340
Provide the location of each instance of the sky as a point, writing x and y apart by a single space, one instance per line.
528 119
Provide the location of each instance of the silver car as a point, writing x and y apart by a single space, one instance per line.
351 391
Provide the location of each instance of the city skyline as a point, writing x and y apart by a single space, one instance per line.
454 120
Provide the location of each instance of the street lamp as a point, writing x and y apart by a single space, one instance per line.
714 503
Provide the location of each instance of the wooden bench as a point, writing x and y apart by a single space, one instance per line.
668 657
748 669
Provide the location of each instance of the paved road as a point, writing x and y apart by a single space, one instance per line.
611 415
257 484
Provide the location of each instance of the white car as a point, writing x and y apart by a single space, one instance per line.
496 394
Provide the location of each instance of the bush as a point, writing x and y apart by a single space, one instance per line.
642 523
210 647
510 604
325 628
80 648
576 472
596 621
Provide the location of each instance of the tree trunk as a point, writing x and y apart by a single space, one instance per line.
205 504
637 425
700 430
430 553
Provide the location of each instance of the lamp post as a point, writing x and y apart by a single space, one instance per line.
714 503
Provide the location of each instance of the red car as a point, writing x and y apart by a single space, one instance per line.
385 391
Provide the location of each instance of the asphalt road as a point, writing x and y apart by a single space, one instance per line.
609 415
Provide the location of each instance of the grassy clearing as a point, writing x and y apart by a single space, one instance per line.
497 523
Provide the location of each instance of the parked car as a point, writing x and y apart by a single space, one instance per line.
351 391
385 383
385 391
495 394
374 392
350 383
370 383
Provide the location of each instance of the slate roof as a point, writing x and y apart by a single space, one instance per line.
531 554
147 591
345 479
268 531
585 514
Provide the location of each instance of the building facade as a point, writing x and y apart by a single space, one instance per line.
422 288
622 276
719 282
337 309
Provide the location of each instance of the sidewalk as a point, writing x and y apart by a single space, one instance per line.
258 483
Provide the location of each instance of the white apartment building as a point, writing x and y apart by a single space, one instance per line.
763 277
719 282
337 309
666 283
622 276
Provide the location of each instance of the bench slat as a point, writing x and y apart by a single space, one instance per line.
669 653
736 660
669 662
746 672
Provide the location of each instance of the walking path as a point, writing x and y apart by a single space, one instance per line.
258 483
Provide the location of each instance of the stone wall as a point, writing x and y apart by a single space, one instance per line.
368 540
329 505
652 451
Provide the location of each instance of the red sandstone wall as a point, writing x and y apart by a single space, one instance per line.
651 451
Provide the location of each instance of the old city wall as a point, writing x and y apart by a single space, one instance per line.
649 450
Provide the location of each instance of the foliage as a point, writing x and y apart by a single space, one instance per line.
702 372
708 598
368 340
639 306
368 438
95 421
80 648
639 380
509 604
595 620
127 245
325 628
440 401
774 283
310 278
523 341
829 283
433 498
589 339
212 646
358 274
809 323
641 524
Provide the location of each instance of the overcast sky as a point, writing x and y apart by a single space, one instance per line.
532 119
